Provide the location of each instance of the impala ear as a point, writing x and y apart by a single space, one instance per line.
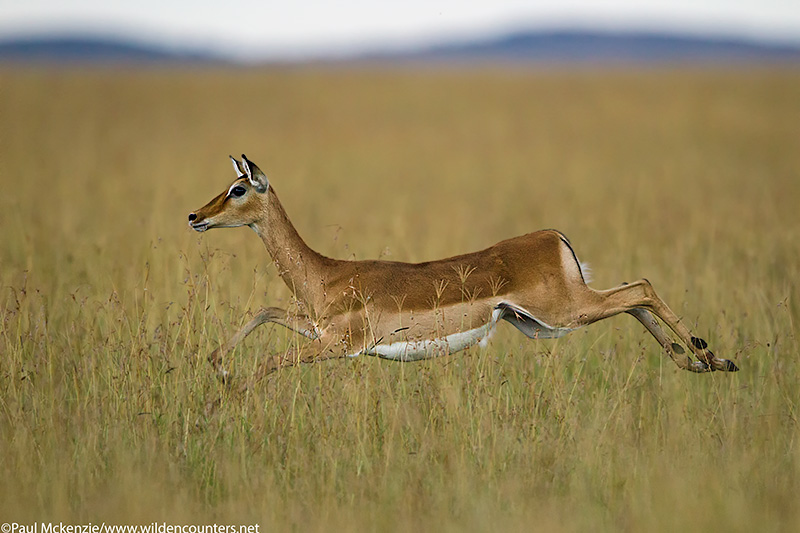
257 178
238 167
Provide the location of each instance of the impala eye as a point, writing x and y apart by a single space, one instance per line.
238 191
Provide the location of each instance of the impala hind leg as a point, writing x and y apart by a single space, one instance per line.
640 296
298 323
673 349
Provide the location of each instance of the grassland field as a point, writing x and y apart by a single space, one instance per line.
110 303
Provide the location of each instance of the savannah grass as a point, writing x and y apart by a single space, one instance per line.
110 303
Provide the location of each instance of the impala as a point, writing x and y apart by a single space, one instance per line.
408 312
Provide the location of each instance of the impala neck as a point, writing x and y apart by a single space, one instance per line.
300 267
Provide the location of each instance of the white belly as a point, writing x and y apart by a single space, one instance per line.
426 349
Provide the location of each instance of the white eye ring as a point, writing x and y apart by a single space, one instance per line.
236 190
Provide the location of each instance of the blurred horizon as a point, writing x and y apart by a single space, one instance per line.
250 32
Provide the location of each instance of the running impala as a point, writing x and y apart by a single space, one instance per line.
413 311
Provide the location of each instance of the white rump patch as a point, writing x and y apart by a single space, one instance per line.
586 271
569 260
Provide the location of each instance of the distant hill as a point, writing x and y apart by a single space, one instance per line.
600 47
534 47
60 50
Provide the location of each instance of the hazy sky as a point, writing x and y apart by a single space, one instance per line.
299 27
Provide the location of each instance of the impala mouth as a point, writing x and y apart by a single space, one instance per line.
199 226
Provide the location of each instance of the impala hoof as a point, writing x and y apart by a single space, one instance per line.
722 365
699 343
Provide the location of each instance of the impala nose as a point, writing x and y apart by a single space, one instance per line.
192 217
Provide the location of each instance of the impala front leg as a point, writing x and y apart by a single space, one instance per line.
320 349
295 322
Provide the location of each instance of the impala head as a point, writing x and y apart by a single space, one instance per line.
239 204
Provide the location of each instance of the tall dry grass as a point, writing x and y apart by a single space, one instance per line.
110 303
